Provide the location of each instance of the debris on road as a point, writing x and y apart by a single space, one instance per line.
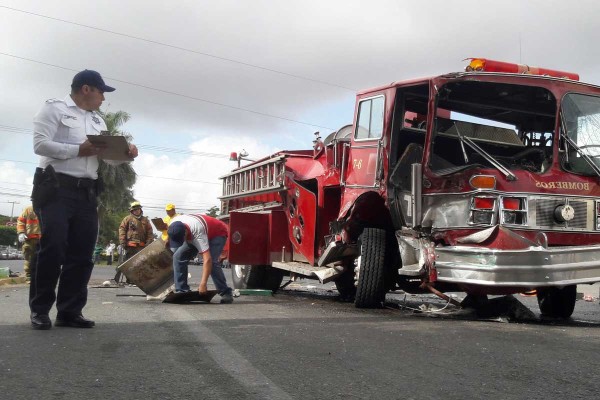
252 292
190 297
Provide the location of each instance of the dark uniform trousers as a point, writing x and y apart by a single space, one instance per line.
69 225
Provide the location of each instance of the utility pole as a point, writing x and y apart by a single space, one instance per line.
12 211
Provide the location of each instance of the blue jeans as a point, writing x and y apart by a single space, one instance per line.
69 230
186 252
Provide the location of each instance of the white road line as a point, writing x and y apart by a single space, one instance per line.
230 360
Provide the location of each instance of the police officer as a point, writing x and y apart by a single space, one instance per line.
64 199
135 233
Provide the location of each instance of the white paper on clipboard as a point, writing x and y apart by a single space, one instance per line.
114 147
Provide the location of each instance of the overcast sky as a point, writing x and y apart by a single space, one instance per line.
221 76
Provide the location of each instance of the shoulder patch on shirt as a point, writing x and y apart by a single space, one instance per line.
95 119
52 101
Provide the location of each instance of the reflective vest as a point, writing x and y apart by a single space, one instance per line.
28 224
134 232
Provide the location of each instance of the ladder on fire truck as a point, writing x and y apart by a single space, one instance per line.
262 177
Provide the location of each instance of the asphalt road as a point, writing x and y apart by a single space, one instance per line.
299 344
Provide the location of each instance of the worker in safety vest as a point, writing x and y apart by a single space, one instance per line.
28 229
171 213
135 232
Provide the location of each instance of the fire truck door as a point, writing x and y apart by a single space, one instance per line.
248 238
363 167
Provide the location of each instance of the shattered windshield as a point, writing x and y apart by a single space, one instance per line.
493 125
581 121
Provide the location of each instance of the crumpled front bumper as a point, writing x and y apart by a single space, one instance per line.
530 267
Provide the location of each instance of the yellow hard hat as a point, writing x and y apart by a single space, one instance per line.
134 205
169 207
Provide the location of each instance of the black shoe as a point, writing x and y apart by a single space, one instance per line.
40 321
74 321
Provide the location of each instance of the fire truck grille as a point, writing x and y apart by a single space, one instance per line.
580 220
544 211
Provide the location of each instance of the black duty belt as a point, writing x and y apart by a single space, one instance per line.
68 181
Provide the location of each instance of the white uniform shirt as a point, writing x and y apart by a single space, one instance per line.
198 230
58 130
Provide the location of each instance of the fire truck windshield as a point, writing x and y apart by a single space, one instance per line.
493 125
581 122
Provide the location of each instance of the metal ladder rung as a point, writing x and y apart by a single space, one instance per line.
263 177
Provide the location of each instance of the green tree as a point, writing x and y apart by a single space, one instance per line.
118 182
213 211
8 235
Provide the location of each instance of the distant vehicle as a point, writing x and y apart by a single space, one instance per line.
10 253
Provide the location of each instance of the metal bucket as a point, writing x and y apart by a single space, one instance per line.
151 269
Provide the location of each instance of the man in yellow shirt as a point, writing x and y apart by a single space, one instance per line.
171 213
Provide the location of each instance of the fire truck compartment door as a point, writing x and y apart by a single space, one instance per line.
302 213
248 238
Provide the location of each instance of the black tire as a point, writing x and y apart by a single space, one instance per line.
345 284
371 288
557 302
256 277
272 278
393 261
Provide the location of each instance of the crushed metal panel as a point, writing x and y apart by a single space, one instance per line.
151 269
329 274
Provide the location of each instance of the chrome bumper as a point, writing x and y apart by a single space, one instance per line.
532 267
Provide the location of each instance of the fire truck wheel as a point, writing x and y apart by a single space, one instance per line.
272 278
370 292
256 277
345 285
239 275
557 302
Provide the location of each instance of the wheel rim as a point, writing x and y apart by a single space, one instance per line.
357 270
239 271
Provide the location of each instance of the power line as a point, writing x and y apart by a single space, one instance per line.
166 201
179 94
145 176
246 64
23 131
178 179
17 161
14 195
17 183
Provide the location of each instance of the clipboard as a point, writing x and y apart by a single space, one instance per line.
159 224
114 147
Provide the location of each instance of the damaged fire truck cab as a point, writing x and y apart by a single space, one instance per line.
483 181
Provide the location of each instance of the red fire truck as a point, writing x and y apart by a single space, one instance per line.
483 181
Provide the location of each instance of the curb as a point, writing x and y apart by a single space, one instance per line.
13 281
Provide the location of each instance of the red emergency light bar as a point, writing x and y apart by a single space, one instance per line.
485 65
